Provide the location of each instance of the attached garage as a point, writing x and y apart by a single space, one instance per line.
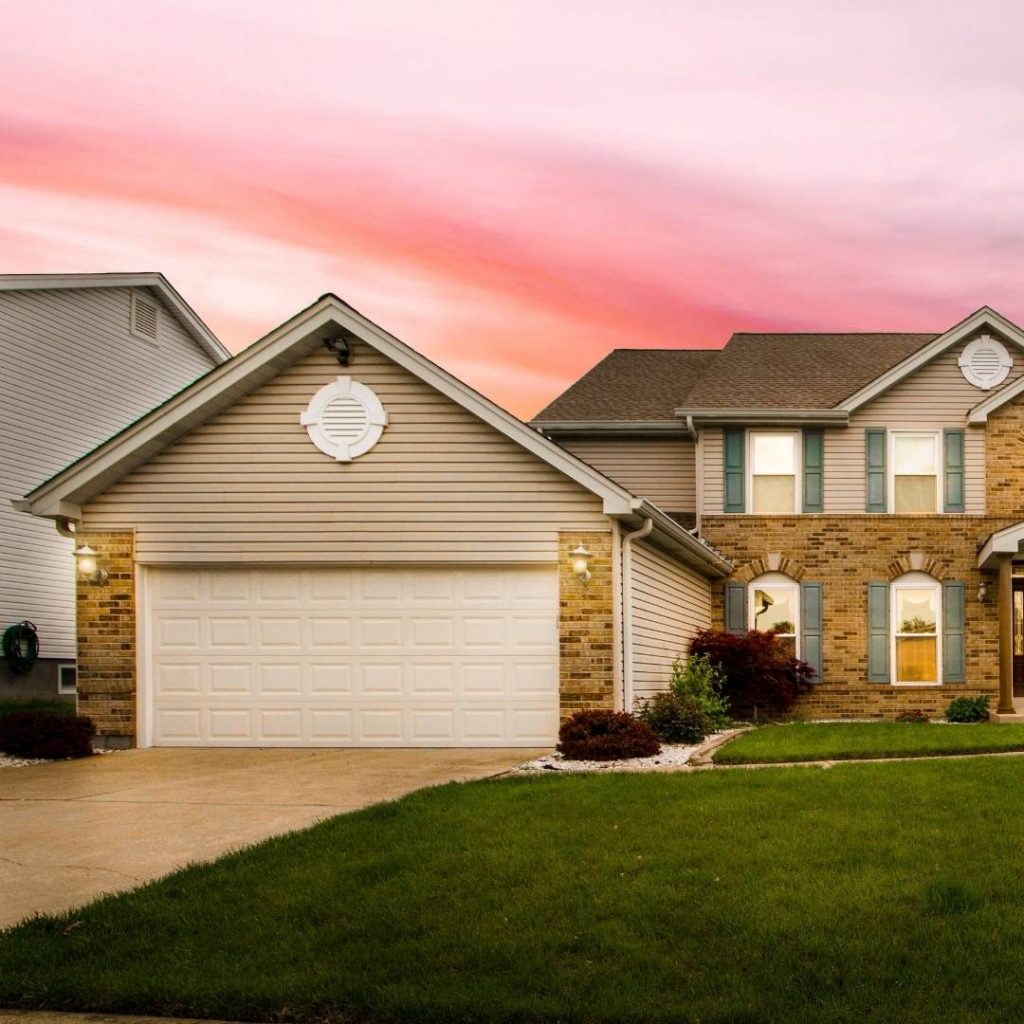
329 541
424 656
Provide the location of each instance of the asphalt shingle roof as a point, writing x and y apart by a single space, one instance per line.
753 371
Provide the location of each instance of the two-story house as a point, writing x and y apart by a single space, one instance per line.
866 487
329 540
83 356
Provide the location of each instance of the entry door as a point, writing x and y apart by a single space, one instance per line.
1018 637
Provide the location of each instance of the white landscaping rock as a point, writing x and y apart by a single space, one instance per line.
671 756
19 762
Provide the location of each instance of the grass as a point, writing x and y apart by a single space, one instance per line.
884 892
828 741
63 707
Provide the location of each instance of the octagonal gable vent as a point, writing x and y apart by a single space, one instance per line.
985 362
344 419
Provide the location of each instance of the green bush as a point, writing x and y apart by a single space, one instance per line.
675 719
693 706
968 709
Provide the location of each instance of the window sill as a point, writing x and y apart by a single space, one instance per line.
916 686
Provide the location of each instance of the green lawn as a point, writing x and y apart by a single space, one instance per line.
828 741
871 892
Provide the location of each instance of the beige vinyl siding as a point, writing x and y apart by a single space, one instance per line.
73 376
663 470
934 397
712 447
440 486
670 603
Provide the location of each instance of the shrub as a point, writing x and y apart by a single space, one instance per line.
917 715
759 673
605 736
692 708
46 734
675 719
968 709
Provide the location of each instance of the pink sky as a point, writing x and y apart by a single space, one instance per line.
515 188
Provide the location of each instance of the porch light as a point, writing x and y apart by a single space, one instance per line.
982 592
88 564
581 562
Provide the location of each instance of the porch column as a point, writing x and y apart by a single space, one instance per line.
1006 635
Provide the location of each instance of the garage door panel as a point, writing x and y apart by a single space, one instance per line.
417 657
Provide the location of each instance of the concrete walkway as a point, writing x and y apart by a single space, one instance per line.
73 830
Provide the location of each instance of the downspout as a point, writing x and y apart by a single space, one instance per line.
627 610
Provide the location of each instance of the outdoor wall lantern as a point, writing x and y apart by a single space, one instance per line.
581 562
982 592
88 565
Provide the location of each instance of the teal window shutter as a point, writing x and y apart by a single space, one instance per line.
954 655
874 446
878 632
953 445
734 442
814 471
735 608
810 626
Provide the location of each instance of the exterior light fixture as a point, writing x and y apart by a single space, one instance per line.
88 565
982 592
581 562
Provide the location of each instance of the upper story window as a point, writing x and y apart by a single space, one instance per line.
775 604
916 481
773 472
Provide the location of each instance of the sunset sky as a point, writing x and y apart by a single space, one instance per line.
516 187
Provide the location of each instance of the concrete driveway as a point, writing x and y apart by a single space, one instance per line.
73 830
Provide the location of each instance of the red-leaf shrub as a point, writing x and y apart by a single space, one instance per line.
760 674
605 736
46 734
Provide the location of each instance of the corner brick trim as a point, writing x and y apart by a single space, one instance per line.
586 637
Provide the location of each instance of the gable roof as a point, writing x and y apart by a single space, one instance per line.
798 371
188 317
631 384
62 496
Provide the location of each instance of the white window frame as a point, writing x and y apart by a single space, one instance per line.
798 459
776 581
914 581
891 474
62 688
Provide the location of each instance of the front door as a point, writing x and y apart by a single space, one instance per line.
1018 636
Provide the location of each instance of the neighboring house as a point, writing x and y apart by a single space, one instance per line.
83 355
868 489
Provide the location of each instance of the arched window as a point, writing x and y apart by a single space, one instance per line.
916 604
775 604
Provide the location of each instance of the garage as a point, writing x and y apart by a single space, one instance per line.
423 656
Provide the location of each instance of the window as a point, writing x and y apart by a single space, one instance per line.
915 472
67 679
775 604
773 472
916 614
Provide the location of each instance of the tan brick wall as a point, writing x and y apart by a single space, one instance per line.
585 626
1004 461
844 554
106 640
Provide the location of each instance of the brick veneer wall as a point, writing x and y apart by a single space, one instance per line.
106 640
586 637
845 553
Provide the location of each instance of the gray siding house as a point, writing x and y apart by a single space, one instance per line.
83 356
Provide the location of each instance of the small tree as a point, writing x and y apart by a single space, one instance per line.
759 673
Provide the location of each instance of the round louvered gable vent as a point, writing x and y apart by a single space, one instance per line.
344 419
985 362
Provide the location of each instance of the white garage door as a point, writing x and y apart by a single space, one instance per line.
351 657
